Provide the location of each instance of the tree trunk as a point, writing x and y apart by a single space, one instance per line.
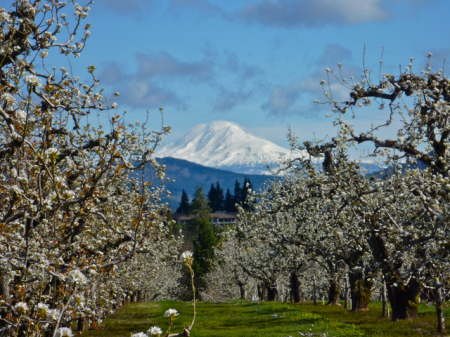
361 290
334 293
439 307
4 294
404 300
383 298
271 293
314 291
295 288
261 292
81 324
242 289
363 294
346 293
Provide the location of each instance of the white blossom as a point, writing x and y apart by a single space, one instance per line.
53 314
76 276
42 308
32 79
64 332
21 307
187 255
154 331
171 313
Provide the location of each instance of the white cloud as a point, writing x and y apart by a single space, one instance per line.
165 65
297 97
228 99
202 5
137 91
294 13
333 54
282 100
135 8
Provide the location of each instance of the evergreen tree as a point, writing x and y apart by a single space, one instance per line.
202 231
229 203
199 210
184 204
203 250
243 195
212 197
237 192
216 198
199 205
220 197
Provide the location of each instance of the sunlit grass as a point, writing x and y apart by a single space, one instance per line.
250 319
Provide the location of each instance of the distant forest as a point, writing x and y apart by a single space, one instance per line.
218 200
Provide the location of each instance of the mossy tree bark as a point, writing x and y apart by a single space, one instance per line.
361 289
404 300
334 292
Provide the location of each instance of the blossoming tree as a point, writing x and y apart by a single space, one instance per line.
77 209
396 226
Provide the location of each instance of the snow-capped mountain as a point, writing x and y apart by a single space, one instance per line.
226 145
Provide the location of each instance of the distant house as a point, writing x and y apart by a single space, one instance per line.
219 218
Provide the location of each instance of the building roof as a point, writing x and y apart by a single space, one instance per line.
186 217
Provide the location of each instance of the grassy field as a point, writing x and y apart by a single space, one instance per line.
249 319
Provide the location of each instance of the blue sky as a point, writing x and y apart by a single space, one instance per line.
257 63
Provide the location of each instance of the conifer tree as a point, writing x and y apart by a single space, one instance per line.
203 250
184 204
212 198
216 198
199 205
202 230
220 197
243 195
237 192
229 203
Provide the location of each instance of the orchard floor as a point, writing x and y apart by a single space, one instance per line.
250 319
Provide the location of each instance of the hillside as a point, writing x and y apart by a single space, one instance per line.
188 176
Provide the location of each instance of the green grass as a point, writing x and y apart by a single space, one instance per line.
243 318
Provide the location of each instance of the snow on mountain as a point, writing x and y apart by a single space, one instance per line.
226 145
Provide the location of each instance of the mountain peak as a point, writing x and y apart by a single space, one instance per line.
225 145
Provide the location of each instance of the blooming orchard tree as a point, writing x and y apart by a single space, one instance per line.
292 218
260 254
421 101
346 221
228 280
76 204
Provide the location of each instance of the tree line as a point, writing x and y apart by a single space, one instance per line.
217 201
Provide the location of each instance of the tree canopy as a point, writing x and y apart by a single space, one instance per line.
77 218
